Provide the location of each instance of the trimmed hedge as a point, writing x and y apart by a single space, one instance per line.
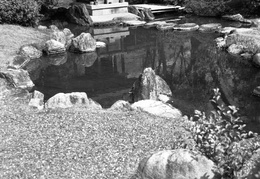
22 12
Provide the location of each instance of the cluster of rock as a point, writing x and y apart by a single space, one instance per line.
242 42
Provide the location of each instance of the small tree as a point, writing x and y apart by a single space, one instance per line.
219 138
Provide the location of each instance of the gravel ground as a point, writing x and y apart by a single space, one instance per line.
79 143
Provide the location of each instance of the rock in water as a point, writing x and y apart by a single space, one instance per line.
149 86
175 164
54 47
83 43
78 14
256 59
212 27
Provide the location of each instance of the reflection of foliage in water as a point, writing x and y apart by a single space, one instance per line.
193 66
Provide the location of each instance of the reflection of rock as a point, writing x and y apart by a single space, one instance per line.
176 164
54 47
157 108
57 59
37 100
78 14
149 86
67 100
30 51
86 59
83 43
18 78
19 62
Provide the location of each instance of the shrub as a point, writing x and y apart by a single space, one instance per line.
22 12
219 137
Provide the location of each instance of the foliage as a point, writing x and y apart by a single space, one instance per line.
48 3
22 12
219 137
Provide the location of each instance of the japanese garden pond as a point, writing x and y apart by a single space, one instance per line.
189 62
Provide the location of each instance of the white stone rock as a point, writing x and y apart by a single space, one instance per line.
157 108
100 44
176 164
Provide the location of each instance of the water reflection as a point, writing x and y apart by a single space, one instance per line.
189 62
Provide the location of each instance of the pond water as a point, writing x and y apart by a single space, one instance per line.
188 61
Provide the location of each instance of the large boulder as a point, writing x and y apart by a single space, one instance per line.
78 14
149 86
175 164
83 43
66 100
157 108
19 78
248 38
54 47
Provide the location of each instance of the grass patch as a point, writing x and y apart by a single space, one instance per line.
78 143
13 37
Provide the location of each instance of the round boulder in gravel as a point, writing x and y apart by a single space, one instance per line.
256 59
83 43
54 47
37 100
157 108
175 164
30 51
212 27
121 105
186 27
62 100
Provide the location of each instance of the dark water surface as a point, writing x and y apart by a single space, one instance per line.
188 61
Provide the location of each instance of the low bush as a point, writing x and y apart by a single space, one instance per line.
219 137
22 12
